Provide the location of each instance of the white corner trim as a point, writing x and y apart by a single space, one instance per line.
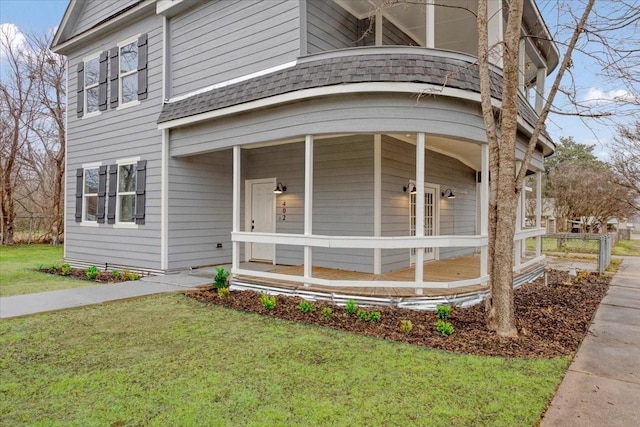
164 202
236 80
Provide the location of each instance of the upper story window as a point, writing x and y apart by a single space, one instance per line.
127 183
113 78
128 55
91 82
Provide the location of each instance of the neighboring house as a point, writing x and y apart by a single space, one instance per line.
185 116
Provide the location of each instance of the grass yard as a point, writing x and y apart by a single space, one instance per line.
169 360
17 265
624 247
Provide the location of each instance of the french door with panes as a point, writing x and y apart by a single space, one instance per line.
430 220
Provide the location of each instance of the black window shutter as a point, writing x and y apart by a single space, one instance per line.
142 67
102 193
79 185
141 183
114 66
113 189
102 80
80 99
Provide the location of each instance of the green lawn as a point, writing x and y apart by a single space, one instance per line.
624 247
168 360
17 265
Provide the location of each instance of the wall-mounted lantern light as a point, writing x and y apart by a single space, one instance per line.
280 188
448 194
411 188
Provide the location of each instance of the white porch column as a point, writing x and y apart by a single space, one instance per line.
235 246
377 200
419 265
378 28
521 65
308 203
484 207
430 36
538 211
540 82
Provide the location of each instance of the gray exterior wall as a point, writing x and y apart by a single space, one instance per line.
373 113
95 11
222 40
342 199
200 210
113 135
457 216
331 27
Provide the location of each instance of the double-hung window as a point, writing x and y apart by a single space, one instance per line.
128 61
126 200
90 195
91 85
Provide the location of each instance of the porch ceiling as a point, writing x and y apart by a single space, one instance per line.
466 152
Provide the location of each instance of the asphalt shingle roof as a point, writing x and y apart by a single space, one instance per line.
393 67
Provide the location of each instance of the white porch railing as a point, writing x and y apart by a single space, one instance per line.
520 241
361 242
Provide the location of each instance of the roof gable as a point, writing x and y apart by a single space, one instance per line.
83 15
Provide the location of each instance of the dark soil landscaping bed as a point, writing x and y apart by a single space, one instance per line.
104 277
551 320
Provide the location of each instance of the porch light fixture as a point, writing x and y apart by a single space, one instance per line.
411 188
448 194
280 188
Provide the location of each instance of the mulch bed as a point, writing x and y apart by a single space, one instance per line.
551 320
104 277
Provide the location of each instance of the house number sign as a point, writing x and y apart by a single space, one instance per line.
284 211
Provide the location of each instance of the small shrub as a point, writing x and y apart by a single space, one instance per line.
351 307
40 266
115 274
222 278
54 267
306 306
365 316
223 293
268 301
445 328
326 313
92 272
406 326
443 312
580 278
126 274
65 269
134 276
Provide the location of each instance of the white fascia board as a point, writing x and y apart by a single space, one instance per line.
92 33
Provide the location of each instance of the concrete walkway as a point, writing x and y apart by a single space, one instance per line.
602 385
22 305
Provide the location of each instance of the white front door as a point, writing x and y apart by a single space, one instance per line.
261 217
430 219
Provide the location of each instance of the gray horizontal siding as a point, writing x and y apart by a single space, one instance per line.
113 135
457 216
335 114
95 11
329 27
221 40
200 210
394 36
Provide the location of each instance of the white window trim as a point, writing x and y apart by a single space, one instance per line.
121 105
121 162
85 167
86 114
